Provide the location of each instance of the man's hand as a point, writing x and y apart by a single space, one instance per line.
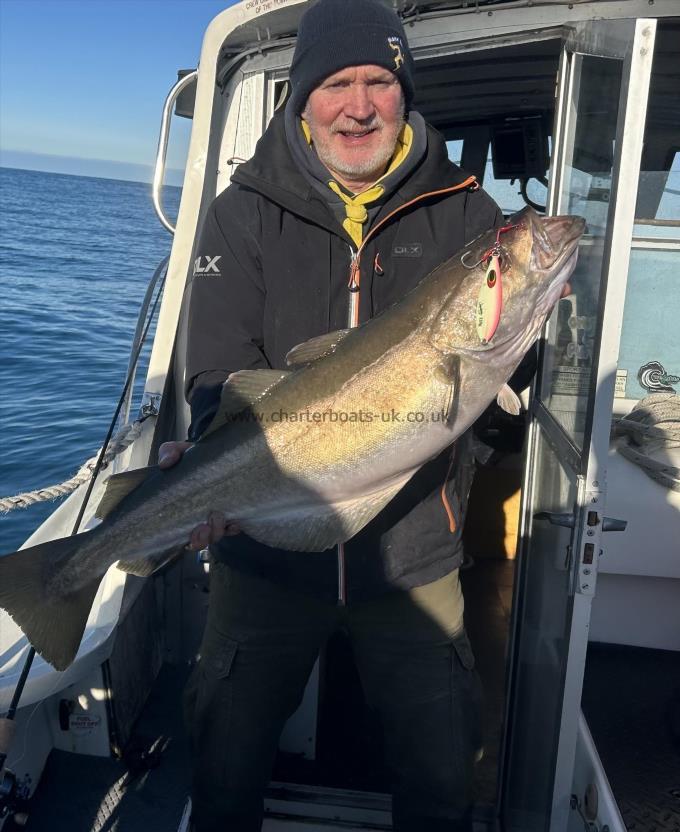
216 527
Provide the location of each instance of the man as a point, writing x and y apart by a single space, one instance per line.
348 168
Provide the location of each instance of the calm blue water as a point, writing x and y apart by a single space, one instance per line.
76 255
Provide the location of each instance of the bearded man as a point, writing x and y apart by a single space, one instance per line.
348 178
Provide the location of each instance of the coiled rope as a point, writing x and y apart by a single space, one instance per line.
122 440
650 437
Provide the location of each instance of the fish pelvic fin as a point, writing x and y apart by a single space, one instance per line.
509 401
53 623
328 525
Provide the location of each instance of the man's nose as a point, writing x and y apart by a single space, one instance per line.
359 102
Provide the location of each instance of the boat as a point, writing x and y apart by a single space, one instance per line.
571 107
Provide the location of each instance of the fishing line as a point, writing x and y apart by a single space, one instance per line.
14 704
121 400
53 689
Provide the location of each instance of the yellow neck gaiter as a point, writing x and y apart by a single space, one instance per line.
355 206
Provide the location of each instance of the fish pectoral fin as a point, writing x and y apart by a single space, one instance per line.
241 390
143 567
315 348
508 400
53 622
314 531
447 372
118 486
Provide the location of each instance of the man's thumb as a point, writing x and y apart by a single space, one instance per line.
166 456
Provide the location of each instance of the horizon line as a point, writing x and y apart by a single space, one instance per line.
47 162
82 175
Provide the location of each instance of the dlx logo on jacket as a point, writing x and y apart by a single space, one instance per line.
408 250
210 266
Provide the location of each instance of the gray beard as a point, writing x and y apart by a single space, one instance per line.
374 165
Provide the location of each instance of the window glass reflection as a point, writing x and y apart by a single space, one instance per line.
586 184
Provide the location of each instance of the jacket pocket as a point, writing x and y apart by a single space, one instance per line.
468 703
463 650
221 659
208 694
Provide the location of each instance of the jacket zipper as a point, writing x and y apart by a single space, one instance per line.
353 300
352 316
353 321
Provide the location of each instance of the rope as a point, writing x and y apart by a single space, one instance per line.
650 437
122 440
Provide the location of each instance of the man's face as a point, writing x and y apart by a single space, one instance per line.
355 116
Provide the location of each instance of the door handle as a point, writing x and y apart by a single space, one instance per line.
609 524
556 519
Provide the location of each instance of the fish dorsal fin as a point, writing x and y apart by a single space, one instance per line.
241 390
119 486
315 348
508 400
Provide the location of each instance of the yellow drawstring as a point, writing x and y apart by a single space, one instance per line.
355 206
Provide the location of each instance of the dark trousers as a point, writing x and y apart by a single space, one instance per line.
416 668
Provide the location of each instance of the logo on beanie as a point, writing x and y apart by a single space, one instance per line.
396 46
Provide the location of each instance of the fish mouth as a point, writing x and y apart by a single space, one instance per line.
554 241
563 233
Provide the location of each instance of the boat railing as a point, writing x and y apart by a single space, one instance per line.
161 153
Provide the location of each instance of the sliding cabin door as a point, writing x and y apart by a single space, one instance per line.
597 142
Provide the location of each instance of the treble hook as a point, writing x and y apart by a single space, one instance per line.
467 254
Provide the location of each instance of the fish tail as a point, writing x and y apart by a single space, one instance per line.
53 622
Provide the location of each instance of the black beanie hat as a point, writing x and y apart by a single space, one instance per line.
334 34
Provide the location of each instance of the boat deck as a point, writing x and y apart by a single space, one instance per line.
631 701
148 788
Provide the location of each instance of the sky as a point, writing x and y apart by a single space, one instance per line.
87 79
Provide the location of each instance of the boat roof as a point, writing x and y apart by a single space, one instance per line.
266 20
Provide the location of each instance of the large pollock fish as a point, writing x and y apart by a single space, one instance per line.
304 459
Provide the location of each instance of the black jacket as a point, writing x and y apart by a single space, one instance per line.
270 271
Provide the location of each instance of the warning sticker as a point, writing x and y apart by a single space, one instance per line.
83 724
571 381
620 384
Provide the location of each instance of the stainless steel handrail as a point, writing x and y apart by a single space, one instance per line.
159 169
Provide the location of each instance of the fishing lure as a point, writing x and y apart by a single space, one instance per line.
490 299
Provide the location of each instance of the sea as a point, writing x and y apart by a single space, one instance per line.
76 256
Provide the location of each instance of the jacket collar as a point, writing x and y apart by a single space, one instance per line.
273 172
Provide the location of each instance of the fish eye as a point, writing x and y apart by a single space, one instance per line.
491 279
